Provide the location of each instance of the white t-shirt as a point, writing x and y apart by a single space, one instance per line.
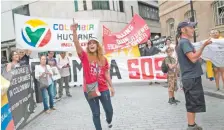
39 70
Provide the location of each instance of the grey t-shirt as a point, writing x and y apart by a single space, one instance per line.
188 69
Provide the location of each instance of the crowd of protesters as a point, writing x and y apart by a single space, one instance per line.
44 72
182 60
174 79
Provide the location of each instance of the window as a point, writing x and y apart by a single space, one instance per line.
84 5
148 12
132 11
188 16
5 53
24 10
170 27
218 9
100 5
76 5
121 6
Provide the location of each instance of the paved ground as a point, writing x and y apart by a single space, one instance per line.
137 107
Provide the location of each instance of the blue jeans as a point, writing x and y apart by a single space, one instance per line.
45 93
95 108
54 88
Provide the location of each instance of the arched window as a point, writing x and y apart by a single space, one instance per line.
188 16
170 27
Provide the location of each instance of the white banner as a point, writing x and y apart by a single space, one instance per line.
139 69
213 52
45 34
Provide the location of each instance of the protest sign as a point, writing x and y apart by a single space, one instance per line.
136 32
46 34
124 69
7 122
20 95
159 42
213 52
132 51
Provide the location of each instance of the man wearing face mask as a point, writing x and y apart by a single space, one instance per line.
191 71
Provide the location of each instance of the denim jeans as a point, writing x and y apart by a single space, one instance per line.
95 108
45 93
54 88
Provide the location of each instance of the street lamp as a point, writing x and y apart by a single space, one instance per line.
192 17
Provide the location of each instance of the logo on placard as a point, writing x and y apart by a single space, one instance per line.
36 33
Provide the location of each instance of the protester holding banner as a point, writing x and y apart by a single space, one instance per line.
150 50
172 75
97 81
63 65
14 61
43 74
219 71
191 71
24 56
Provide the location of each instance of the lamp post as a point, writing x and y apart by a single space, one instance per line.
192 17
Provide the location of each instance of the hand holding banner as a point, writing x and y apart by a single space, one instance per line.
213 52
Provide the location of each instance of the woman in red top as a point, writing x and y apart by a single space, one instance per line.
96 69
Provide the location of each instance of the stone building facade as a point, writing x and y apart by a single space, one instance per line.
208 14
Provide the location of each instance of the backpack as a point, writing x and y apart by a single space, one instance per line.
164 66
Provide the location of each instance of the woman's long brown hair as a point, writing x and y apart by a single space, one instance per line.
100 57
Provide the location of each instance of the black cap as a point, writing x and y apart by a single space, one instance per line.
186 24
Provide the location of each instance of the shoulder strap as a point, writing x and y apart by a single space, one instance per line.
97 71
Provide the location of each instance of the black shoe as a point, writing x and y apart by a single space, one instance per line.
177 101
58 98
171 101
109 124
69 95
